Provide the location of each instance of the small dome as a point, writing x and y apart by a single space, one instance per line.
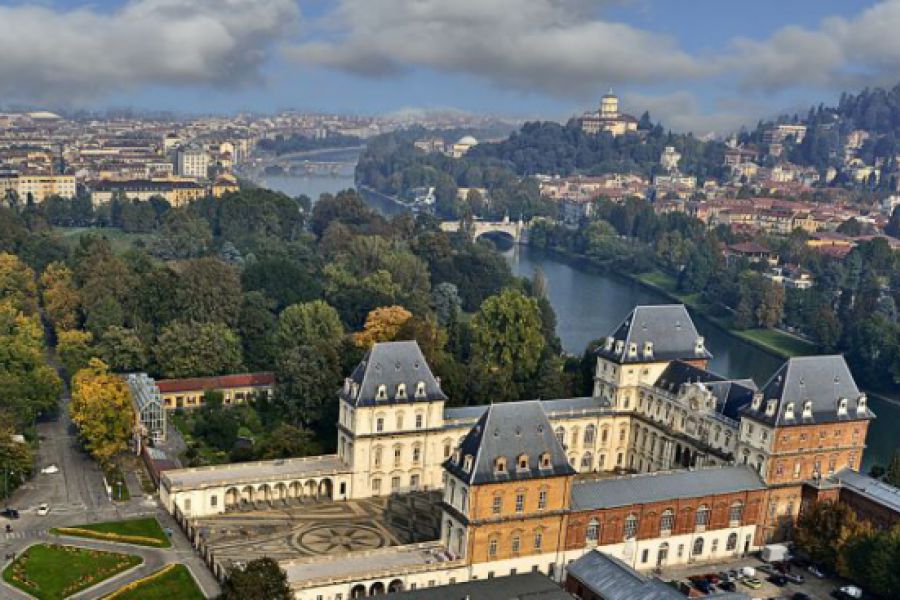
467 140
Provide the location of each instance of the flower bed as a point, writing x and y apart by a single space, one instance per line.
53 572
143 532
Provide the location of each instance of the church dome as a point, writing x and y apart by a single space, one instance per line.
467 140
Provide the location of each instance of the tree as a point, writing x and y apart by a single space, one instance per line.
309 323
188 349
285 280
872 562
60 296
307 376
771 304
209 292
182 235
17 284
824 530
15 453
101 409
123 350
75 349
382 325
507 342
256 327
892 474
261 579
288 441
446 301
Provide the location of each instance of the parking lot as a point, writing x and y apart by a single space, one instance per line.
818 589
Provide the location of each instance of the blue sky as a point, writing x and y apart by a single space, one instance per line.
704 65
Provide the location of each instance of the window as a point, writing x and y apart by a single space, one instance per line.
589 432
604 435
377 456
731 543
538 540
379 424
522 462
395 483
376 486
631 524
561 435
420 389
401 391
520 501
715 546
420 420
399 421
398 450
492 548
382 392
448 448
702 517
545 460
645 555
697 550
500 464
542 499
593 532
417 454
463 499
414 481
736 513
213 500
666 522
602 460
515 543
467 463
587 461
497 506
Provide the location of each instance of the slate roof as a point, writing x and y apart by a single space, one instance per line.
821 380
668 326
612 579
656 487
390 364
527 586
875 490
557 407
732 395
509 430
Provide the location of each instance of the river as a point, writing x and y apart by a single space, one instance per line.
589 305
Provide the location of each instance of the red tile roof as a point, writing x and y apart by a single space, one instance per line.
221 382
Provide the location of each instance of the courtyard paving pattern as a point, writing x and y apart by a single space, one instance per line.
294 530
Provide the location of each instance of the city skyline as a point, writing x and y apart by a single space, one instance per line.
695 66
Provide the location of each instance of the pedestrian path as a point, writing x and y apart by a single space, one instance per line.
25 534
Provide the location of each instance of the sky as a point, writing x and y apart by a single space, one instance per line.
707 66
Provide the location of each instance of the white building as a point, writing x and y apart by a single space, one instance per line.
193 162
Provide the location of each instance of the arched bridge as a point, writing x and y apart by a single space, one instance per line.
517 230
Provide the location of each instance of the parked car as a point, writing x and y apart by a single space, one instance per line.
796 578
727 586
816 571
10 513
43 509
51 470
779 580
849 592
752 582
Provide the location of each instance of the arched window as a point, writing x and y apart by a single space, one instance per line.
587 461
401 391
515 543
500 464
538 539
492 547
631 525
379 424
697 550
522 462
377 456
382 392
731 543
463 499
593 532
448 448
420 389
574 437
545 460
736 513
589 433
667 522
604 435
417 454
702 517
561 435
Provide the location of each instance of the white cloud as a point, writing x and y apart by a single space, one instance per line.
682 111
555 47
48 55
842 53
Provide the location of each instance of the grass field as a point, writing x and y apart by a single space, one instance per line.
129 532
52 572
118 239
174 583
777 341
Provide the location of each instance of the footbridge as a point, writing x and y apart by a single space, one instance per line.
517 230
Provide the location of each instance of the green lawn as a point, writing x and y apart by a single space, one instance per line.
118 239
147 527
781 343
51 572
176 583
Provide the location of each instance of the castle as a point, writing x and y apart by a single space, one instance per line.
665 463
608 119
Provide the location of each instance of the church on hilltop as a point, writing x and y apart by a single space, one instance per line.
665 463
608 119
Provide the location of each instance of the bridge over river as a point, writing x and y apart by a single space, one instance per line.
517 230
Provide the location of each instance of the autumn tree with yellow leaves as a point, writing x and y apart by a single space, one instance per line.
101 408
382 325
62 300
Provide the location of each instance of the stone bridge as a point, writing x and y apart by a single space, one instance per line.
517 230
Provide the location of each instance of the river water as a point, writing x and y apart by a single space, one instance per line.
589 305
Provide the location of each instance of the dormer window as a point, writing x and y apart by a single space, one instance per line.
545 460
648 349
500 464
467 463
456 456
401 391
789 411
354 390
757 401
632 349
770 407
861 404
609 343
620 346
700 345
381 394
420 389
347 385
807 409
522 462
842 406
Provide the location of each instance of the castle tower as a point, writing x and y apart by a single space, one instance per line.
609 106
